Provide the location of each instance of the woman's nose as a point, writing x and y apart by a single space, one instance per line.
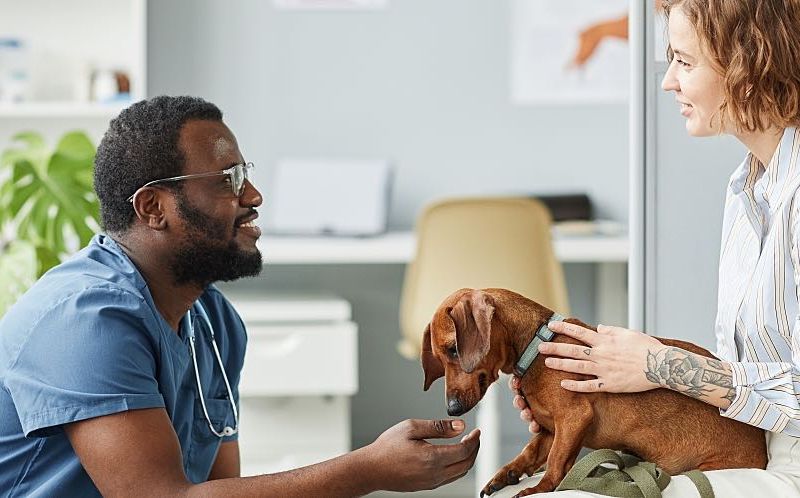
670 82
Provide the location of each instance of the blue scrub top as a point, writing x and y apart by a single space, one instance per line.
86 341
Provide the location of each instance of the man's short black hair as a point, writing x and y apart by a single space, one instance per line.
141 145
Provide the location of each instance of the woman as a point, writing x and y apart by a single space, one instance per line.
735 69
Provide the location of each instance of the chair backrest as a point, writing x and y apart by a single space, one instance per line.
479 242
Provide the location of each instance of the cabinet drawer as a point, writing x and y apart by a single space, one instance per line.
273 427
300 359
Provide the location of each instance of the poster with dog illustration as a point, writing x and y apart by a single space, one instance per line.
569 51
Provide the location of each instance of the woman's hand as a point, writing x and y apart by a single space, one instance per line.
616 356
522 405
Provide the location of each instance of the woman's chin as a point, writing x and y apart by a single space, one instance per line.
695 129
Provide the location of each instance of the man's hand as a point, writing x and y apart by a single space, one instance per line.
522 405
404 461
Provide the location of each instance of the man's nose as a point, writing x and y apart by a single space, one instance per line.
251 196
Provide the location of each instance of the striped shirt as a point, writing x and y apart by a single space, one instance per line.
758 318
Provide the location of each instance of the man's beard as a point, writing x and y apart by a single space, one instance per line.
203 255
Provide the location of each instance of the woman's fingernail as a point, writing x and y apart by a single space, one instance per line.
457 425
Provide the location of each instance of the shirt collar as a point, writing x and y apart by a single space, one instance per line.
782 169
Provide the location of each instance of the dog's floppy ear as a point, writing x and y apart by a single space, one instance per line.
472 316
431 365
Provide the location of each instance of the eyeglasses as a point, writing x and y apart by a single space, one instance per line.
237 175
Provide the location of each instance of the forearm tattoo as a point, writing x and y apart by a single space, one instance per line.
691 374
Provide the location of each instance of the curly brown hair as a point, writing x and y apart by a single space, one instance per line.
755 46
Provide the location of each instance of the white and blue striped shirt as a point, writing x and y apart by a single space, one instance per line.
758 317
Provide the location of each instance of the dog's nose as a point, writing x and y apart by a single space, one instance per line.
454 407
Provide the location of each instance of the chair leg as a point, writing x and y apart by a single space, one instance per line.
488 420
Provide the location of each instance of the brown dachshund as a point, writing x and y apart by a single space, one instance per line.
475 334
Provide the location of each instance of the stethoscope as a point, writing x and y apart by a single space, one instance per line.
227 430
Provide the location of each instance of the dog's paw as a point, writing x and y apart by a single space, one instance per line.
539 488
505 477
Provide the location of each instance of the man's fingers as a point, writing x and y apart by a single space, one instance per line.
449 454
473 434
425 429
520 403
534 428
457 470
513 382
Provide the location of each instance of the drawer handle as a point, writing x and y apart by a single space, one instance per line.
274 347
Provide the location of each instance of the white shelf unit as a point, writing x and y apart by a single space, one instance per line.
49 110
63 42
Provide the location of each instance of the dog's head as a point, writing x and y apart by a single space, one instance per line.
458 345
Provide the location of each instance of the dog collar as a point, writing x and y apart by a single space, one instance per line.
544 334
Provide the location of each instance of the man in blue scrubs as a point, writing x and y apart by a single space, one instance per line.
100 391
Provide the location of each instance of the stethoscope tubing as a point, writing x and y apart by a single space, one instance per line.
227 430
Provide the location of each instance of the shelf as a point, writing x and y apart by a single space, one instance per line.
61 109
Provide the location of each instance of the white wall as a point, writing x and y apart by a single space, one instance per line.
423 83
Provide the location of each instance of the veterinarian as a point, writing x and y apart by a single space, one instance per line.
119 368
735 69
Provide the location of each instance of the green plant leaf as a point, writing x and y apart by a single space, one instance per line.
76 144
47 195
33 150
46 259
18 267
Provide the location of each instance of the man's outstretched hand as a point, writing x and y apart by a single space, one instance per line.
404 461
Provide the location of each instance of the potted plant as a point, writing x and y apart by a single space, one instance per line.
48 209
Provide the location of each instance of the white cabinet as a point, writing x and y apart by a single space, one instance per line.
300 359
299 373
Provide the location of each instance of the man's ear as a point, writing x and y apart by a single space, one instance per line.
149 206
472 317
431 365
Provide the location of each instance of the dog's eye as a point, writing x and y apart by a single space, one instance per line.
452 352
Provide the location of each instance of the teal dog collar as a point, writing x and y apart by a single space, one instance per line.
544 334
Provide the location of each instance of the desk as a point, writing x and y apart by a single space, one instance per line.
399 248
609 252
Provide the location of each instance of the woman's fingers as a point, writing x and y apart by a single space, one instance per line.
583 386
574 366
566 350
582 334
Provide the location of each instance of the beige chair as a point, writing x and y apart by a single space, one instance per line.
479 242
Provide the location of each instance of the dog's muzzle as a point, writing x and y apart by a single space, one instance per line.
454 407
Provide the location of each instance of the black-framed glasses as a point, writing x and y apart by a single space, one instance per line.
237 174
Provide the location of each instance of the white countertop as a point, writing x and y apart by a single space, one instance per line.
400 247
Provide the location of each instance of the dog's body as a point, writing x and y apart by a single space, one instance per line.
476 333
